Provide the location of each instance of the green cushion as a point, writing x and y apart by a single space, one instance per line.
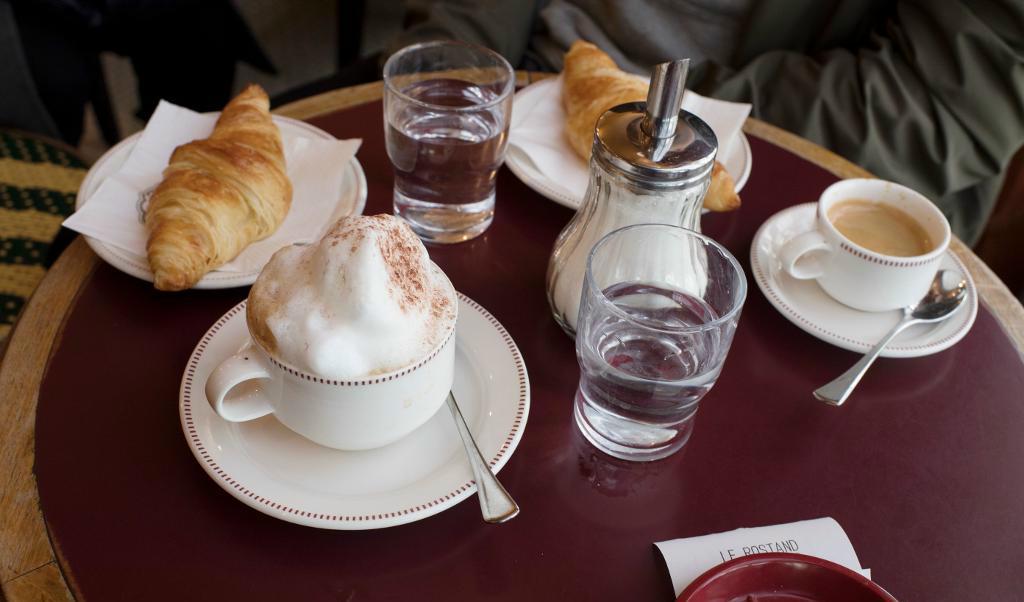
38 182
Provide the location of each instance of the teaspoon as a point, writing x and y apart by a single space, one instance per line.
496 505
944 297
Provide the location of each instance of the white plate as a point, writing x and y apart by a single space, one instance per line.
738 162
351 202
805 304
281 474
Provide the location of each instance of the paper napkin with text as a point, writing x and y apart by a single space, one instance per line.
690 557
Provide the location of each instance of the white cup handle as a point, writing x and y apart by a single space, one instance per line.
233 402
803 258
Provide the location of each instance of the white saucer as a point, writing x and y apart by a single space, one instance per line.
805 304
281 474
738 162
351 202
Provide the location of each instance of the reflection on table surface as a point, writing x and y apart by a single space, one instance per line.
575 500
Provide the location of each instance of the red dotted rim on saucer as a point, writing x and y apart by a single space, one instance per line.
228 482
763 282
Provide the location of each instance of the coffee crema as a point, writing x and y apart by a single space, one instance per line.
880 227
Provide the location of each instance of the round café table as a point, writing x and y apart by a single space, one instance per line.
100 498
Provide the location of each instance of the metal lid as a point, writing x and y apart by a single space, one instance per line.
655 142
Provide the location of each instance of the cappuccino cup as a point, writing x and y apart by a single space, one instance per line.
875 245
350 413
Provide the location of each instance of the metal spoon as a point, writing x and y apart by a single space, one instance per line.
945 296
496 505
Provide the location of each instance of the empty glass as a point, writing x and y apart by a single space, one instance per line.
446 117
659 308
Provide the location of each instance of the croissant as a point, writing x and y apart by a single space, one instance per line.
591 84
721 195
218 194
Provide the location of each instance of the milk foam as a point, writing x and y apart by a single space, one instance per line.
364 300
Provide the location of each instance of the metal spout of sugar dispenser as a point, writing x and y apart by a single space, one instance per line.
664 100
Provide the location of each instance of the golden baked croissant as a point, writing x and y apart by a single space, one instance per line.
721 195
591 84
218 194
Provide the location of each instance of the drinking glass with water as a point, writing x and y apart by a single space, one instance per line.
659 308
446 117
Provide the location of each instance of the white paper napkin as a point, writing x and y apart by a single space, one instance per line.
689 558
113 214
537 133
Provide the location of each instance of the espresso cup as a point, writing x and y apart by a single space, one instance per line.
346 414
855 275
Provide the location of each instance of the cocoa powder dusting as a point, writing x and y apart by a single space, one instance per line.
409 285
400 249
414 284
440 306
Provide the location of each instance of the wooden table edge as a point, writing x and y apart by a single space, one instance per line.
991 291
28 562
344 98
29 567
1006 308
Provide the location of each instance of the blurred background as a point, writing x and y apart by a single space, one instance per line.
333 36
80 75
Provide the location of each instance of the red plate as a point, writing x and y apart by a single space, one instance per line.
782 578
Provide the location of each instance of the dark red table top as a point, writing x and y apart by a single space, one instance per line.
924 468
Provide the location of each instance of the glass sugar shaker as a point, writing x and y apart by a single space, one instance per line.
651 163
